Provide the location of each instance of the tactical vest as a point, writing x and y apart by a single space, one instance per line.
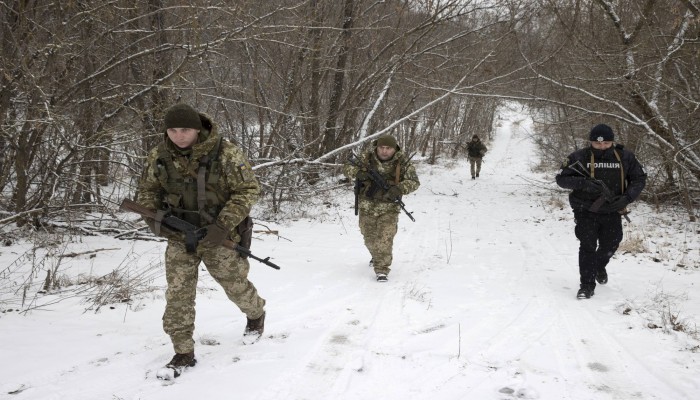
181 194
612 184
374 191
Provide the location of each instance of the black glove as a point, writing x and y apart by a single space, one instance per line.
591 186
216 234
619 203
392 194
362 175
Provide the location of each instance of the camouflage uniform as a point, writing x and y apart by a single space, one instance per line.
476 151
378 217
169 182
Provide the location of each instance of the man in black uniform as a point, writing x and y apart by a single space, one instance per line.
605 178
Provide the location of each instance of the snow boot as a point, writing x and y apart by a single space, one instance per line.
176 366
602 276
585 293
382 278
254 329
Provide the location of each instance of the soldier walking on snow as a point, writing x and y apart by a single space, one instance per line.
378 208
605 178
199 177
476 151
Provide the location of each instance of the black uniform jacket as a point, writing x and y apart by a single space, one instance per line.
603 165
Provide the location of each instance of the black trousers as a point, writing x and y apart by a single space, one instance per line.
599 236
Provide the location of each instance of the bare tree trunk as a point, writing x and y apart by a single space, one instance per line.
330 130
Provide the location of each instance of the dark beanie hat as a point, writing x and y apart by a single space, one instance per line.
387 141
602 133
182 116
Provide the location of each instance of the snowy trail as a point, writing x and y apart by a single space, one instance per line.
453 242
480 305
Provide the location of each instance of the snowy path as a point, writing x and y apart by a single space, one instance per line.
480 305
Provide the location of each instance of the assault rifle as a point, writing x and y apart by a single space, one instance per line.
379 181
606 193
192 234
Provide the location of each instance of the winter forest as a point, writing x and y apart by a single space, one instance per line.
301 84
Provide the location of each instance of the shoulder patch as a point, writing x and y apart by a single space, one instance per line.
565 163
245 172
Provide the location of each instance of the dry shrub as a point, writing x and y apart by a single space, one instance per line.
557 202
633 243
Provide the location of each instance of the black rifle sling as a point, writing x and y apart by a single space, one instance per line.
159 220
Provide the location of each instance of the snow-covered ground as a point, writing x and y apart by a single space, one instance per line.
480 304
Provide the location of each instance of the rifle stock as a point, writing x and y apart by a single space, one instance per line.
185 227
134 207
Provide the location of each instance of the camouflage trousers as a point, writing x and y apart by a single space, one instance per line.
378 232
475 165
182 270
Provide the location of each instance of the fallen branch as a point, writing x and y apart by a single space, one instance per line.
84 253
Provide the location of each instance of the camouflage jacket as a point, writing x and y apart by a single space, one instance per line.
407 181
231 189
476 149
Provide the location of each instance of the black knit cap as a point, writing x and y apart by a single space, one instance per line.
182 116
602 133
387 140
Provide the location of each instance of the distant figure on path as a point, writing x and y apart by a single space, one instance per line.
476 151
605 178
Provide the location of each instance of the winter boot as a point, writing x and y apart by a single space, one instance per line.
254 329
382 278
602 276
176 366
585 292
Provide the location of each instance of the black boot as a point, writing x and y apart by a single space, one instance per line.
254 329
176 366
585 292
602 276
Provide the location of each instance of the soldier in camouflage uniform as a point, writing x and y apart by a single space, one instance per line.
199 177
476 151
379 212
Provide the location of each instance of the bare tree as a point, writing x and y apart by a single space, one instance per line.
632 65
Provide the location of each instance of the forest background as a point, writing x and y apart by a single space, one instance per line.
300 84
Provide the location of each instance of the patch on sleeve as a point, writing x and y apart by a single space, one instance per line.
565 163
245 172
